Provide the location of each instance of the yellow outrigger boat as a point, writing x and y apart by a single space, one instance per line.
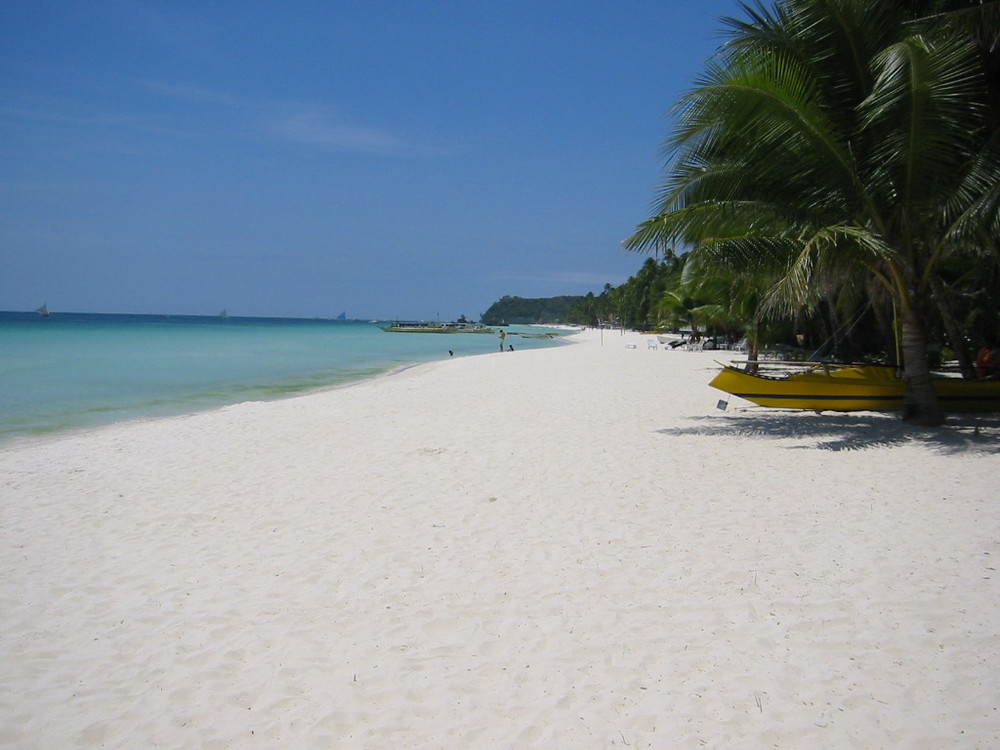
851 388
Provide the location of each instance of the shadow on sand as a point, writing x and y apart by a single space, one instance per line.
857 431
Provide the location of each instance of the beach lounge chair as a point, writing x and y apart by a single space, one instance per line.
651 344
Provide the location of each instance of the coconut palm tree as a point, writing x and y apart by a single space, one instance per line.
698 299
828 144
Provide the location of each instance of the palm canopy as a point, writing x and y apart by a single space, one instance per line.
826 143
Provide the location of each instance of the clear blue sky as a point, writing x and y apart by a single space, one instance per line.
411 158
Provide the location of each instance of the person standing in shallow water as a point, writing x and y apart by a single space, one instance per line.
503 336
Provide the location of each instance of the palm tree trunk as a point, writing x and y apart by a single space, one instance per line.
753 352
920 403
885 328
952 328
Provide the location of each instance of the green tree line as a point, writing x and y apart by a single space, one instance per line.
528 310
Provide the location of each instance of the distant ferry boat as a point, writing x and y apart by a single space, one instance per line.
451 327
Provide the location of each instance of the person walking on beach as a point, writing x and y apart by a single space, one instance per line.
503 336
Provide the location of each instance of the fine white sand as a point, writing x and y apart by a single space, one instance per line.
562 548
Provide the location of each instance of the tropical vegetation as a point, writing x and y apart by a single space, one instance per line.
839 160
510 310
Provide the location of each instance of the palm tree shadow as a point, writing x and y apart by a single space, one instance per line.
845 432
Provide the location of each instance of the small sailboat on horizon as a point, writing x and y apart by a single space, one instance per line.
44 310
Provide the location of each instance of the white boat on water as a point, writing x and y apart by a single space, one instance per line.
450 327
44 310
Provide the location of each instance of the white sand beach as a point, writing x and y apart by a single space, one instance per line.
558 548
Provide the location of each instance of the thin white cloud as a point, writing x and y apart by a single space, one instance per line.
194 93
63 112
310 124
205 113
322 126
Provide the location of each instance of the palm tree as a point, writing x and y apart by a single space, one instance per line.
828 144
697 298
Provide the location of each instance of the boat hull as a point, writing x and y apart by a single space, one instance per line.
437 328
865 388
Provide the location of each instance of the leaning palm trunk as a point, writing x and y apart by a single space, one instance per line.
886 330
920 404
753 355
952 328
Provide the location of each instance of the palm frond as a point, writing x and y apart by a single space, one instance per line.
979 21
925 115
973 214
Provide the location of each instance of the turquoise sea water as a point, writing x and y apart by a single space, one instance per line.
75 370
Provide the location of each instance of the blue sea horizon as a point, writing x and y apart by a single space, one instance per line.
72 371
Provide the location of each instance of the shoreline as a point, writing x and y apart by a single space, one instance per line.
200 399
567 546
